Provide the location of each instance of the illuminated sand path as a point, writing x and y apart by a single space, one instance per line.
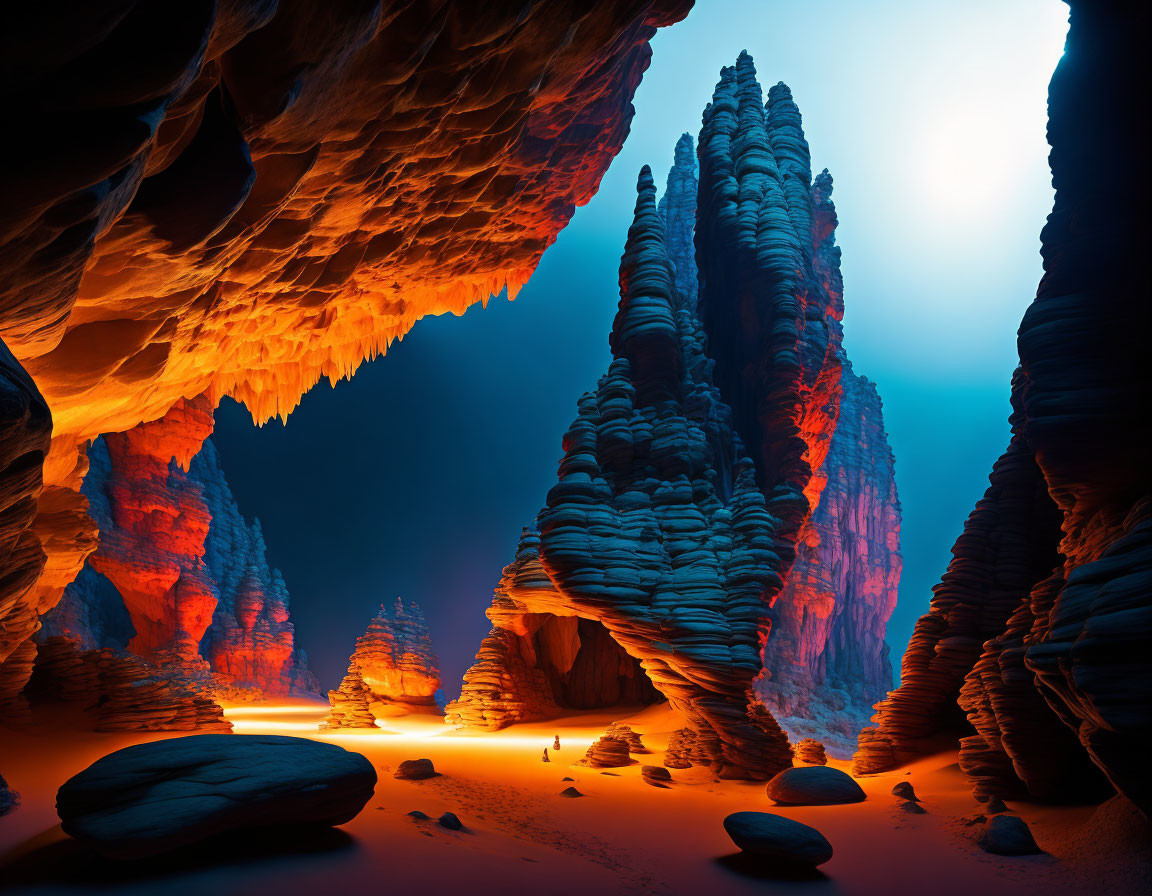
520 836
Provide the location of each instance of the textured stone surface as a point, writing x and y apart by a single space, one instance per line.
1040 627
155 797
608 752
25 431
250 644
817 785
655 530
810 752
415 770
393 664
827 661
1007 835
777 839
242 198
771 295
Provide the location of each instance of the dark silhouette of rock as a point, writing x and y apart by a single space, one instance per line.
810 752
450 821
393 664
9 798
905 791
815 785
1008 835
567 779
155 797
912 807
570 792
415 770
778 840
1039 629
994 805
417 815
25 433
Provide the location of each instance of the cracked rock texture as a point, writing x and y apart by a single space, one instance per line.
1038 632
394 666
242 197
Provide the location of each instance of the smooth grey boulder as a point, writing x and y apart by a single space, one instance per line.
778 839
816 785
155 797
1008 835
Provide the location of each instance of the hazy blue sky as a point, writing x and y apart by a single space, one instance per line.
416 477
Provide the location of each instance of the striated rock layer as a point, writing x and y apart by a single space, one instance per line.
827 661
25 431
655 532
393 667
753 241
1040 628
239 198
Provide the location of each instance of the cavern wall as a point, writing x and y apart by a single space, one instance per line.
243 197
1066 637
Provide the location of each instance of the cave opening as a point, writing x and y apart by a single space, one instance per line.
585 667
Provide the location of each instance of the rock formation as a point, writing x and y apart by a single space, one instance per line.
655 532
155 797
393 667
180 582
250 644
827 660
1040 627
754 242
240 198
25 430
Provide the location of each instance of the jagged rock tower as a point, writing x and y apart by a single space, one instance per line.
605 598
393 669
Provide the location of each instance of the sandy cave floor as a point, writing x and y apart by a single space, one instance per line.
520 836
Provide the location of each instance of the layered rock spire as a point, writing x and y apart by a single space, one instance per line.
655 531
394 669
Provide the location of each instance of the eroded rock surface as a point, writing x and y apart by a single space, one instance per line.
1040 627
394 664
242 198
656 531
155 797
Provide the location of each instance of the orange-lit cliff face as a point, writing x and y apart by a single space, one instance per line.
152 539
240 198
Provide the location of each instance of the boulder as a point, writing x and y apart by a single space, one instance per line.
777 839
154 797
905 791
1008 835
816 785
810 751
656 775
416 770
570 792
450 821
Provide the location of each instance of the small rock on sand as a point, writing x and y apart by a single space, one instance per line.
570 792
1007 835
450 821
417 815
656 775
905 792
415 770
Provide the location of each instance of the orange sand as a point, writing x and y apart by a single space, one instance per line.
521 837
